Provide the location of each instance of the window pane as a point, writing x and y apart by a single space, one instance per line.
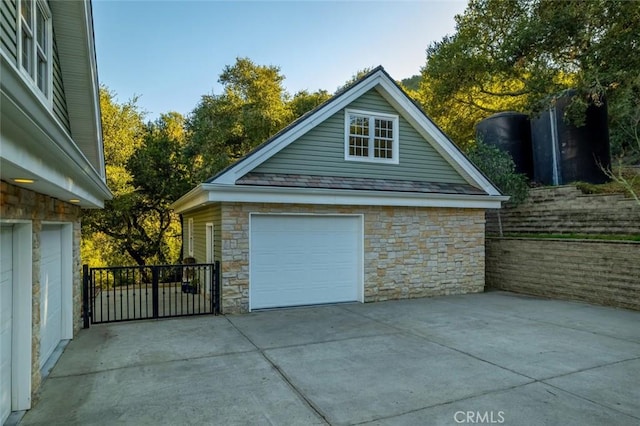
358 125
27 46
42 30
382 148
383 142
25 9
42 75
358 146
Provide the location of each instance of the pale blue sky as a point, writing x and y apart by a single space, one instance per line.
172 52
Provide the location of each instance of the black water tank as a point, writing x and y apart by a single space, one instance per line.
511 132
564 153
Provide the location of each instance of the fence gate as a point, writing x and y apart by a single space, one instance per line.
126 293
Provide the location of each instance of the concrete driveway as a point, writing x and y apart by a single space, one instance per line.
493 358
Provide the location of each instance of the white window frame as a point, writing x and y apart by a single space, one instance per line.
210 252
190 236
35 50
371 116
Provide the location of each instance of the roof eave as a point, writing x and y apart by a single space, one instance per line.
208 193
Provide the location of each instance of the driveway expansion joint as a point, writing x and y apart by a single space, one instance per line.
149 363
420 336
600 404
453 401
284 377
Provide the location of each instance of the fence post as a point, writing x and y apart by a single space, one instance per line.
154 291
85 296
216 286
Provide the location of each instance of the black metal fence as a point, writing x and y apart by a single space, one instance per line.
126 293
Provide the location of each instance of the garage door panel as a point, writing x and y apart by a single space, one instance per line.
6 319
302 260
50 291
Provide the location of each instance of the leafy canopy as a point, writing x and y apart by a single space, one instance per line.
146 171
514 54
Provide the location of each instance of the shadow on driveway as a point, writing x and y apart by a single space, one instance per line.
486 358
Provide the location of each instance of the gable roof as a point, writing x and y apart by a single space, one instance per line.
237 175
390 90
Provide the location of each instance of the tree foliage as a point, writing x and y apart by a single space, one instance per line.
303 101
252 107
354 77
146 171
514 54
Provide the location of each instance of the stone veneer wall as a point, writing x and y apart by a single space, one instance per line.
566 210
22 204
409 252
594 271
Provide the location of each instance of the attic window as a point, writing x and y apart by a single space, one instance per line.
35 43
371 136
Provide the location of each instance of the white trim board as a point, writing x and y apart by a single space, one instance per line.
21 339
205 194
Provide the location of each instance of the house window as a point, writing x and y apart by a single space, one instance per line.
371 137
190 236
35 43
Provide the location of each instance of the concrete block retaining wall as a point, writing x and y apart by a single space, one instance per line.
566 210
600 272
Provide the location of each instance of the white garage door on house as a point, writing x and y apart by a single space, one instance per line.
50 291
6 319
304 260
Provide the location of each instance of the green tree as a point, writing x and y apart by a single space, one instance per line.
252 107
147 170
303 101
123 132
514 54
355 77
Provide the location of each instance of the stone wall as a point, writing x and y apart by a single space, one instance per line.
17 203
409 252
566 210
600 272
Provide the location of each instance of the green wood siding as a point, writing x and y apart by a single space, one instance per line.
320 152
59 100
8 29
208 214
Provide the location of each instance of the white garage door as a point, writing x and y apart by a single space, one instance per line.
6 316
304 260
50 291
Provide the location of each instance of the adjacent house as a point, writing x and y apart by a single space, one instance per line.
362 199
51 166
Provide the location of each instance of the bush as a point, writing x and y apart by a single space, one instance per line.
499 167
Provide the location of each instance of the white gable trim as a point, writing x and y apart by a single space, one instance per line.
394 95
208 193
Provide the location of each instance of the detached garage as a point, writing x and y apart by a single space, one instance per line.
305 260
362 199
